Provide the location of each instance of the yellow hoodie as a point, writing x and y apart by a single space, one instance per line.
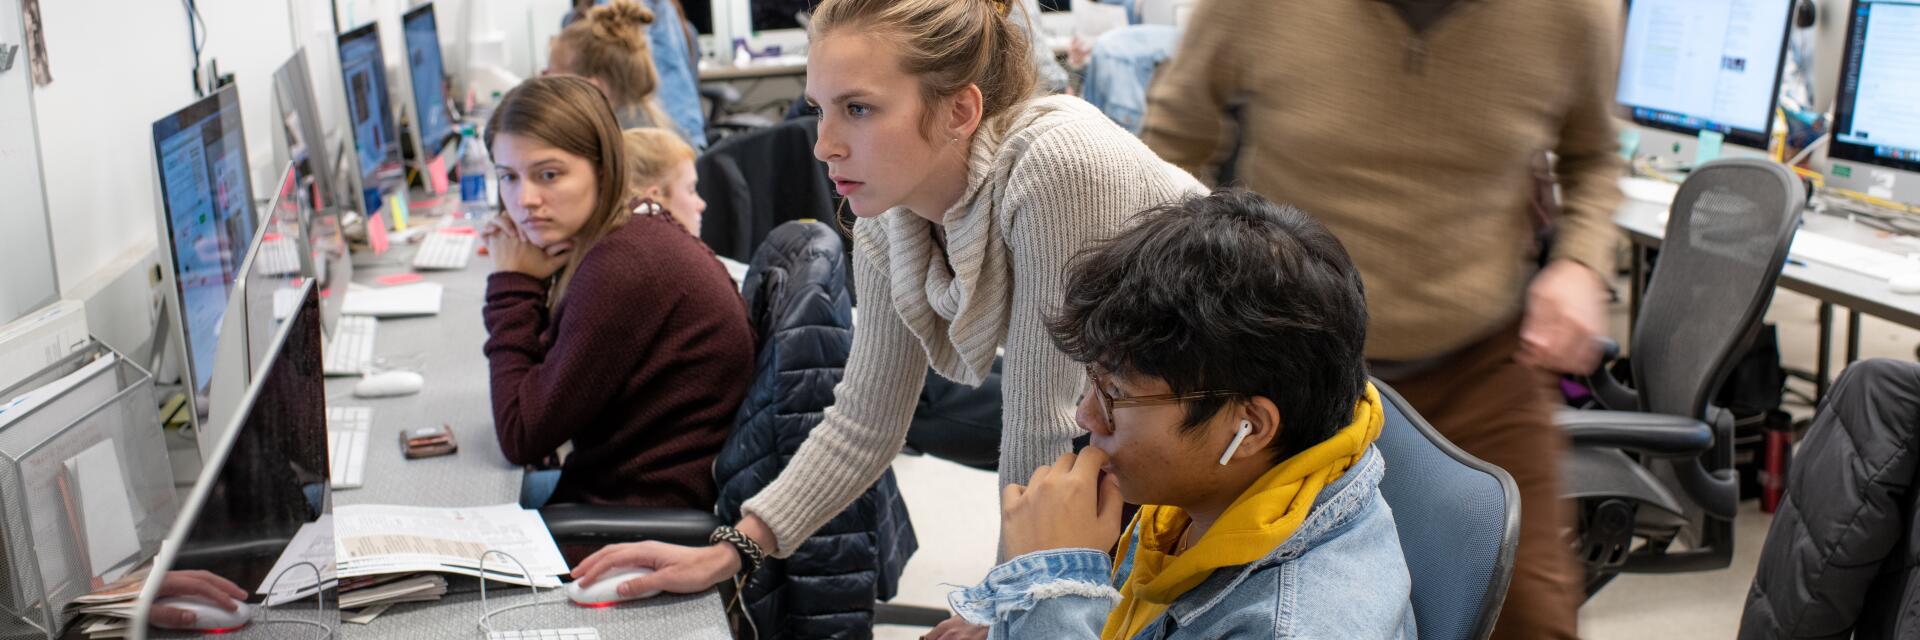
1264 515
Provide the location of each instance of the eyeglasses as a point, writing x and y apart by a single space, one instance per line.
1108 403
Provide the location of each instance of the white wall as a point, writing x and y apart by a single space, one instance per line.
118 66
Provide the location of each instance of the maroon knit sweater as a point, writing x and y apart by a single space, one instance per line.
642 366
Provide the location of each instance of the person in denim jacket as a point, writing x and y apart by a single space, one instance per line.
1223 338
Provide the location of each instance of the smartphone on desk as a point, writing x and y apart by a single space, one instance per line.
427 442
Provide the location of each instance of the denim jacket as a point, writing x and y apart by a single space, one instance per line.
1340 575
673 60
1121 68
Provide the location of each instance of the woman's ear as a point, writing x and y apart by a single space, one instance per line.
655 193
964 112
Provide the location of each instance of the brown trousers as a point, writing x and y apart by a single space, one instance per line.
1502 412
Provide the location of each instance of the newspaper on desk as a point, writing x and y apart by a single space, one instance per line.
382 539
310 549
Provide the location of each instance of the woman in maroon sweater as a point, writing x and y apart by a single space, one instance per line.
615 330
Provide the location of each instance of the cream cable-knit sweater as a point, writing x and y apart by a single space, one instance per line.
1045 183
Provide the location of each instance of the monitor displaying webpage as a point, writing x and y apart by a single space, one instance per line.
1879 102
1703 64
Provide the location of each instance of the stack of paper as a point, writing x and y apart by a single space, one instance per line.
105 613
386 539
372 595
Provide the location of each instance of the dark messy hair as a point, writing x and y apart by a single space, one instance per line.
1226 292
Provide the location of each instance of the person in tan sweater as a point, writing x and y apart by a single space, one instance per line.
1409 127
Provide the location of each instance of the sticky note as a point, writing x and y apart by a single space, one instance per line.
460 231
397 203
398 278
1629 143
377 233
437 175
1708 149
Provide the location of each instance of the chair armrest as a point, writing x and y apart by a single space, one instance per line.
589 524
1608 391
1653 434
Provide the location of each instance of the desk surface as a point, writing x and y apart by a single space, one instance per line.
1646 223
446 350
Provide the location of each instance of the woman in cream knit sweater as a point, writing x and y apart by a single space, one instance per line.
972 198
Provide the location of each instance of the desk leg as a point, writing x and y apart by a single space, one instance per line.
1853 336
1821 373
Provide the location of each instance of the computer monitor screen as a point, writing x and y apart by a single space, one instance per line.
1876 115
301 129
429 79
208 216
1704 65
259 515
769 15
363 72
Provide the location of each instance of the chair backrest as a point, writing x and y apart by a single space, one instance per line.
1458 517
1727 237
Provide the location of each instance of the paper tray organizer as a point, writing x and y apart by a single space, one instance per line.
44 554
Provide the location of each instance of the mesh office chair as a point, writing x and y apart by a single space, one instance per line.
1658 468
1459 519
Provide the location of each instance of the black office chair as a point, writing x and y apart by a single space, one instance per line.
1656 467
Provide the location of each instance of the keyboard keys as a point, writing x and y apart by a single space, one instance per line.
349 429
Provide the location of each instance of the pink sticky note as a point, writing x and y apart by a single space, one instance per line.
269 237
377 233
398 278
459 231
437 175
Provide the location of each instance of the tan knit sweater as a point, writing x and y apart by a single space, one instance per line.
1042 184
1414 151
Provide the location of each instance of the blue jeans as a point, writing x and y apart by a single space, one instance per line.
536 488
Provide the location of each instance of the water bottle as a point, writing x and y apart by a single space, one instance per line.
476 177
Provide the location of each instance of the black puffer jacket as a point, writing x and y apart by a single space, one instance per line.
797 300
1841 559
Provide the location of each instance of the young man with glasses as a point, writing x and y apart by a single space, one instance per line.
1224 338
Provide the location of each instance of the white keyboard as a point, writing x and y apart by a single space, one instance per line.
278 257
348 430
576 633
445 251
1852 257
350 352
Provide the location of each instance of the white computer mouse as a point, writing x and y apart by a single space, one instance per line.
606 590
1907 283
390 383
207 616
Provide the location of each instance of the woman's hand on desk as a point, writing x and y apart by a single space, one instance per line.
512 252
676 569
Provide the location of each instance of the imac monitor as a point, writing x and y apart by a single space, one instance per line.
1876 113
259 515
1694 66
207 220
376 144
772 15
301 130
428 77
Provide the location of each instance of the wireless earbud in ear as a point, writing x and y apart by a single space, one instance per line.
1238 436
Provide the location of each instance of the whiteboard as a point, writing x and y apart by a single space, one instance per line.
26 245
